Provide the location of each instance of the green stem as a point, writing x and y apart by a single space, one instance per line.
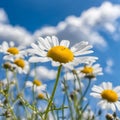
25 103
7 96
89 81
63 106
34 101
17 86
53 92
69 101
8 82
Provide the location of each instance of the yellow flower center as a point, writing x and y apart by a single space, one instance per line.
13 50
87 70
41 96
20 62
61 54
109 95
37 82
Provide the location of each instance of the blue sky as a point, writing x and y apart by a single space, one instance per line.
32 18
97 21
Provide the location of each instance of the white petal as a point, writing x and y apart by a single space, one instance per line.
42 42
55 41
33 45
49 39
97 89
97 95
103 104
41 88
65 43
118 105
48 42
8 57
5 45
55 63
82 52
38 59
82 46
109 85
113 107
104 85
117 89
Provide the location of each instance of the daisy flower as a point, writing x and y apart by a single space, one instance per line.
88 114
90 70
37 84
20 65
11 51
49 49
42 95
109 96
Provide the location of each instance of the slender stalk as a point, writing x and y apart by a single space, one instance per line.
7 96
34 101
63 106
69 101
17 86
89 82
30 106
8 82
53 92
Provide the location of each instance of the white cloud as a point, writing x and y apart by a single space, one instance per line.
17 34
44 74
109 65
3 16
87 26
13 33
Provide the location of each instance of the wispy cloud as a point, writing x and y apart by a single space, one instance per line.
17 34
44 74
109 65
3 16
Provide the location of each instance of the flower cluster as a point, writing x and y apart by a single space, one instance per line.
77 71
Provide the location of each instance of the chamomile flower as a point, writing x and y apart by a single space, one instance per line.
88 114
11 51
90 70
49 49
21 65
109 96
37 84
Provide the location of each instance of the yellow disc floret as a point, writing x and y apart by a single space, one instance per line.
109 95
61 54
87 70
13 50
37 82
20 63
41 96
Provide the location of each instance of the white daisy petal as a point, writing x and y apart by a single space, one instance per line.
38 59
113 107
41 88
55 41
55 63
97 95
118 105
43 43
97 89
65 43
117 89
